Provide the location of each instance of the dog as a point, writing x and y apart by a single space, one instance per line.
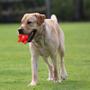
46 39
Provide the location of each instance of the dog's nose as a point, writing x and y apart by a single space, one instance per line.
20 31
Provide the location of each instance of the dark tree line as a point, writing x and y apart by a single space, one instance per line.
79 13
71 9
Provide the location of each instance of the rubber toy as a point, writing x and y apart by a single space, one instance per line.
23 38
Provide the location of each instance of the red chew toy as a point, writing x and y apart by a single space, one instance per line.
22 38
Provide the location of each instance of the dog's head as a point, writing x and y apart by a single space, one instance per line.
30 24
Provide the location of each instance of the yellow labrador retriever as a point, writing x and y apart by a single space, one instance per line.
47 40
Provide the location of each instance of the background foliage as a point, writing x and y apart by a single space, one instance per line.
69 10
66 9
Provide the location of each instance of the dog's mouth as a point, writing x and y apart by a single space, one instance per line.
31 35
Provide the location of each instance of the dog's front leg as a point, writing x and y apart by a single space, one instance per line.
34 70
50 68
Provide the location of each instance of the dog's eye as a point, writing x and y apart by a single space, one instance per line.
29 22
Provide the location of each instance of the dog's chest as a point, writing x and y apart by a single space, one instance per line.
44 52
42 48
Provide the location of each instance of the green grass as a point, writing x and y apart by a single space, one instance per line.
15 66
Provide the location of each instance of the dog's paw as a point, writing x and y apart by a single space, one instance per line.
33 83
57 81
64 75
50 79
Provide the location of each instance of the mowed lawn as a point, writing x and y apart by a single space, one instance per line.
15 65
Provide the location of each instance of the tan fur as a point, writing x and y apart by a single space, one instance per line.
48 41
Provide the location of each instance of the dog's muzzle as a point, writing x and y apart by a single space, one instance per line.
30 35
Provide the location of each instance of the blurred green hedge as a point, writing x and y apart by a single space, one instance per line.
66 9
87 9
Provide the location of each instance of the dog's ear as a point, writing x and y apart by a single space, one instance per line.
40 18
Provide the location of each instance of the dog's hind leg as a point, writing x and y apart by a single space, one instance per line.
55 72
63 72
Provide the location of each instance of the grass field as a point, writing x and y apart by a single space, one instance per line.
15 66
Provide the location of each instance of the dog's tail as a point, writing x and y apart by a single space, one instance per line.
54 18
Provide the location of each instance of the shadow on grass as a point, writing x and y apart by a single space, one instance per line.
45 85
65 85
